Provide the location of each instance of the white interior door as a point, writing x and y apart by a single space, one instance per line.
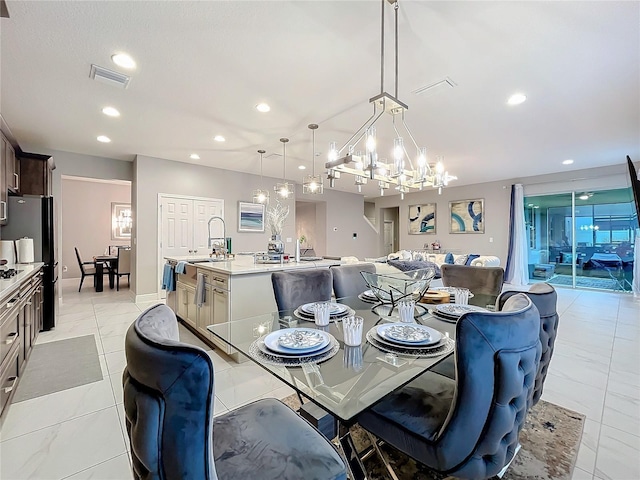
203 210
177 226
388 237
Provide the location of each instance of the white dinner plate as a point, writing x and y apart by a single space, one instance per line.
272 341
264 349
336 308
408 333
456 310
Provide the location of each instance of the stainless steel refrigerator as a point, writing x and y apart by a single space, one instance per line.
34 217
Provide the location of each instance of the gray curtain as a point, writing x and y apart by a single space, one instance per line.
517 271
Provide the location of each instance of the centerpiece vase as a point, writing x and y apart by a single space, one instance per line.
275 245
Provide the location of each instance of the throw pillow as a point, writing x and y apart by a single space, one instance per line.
419 256
449 258
470 258
408 265
460 260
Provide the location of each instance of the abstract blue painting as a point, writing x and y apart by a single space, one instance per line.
467 216
422 219
250 217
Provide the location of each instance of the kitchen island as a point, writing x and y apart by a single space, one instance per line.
233 290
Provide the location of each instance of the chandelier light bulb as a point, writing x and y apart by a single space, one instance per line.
422 157
439 168
371 140
333 152
284 192
261 198
398 149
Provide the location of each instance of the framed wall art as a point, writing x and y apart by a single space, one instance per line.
250 217
422 219
121 221
467 216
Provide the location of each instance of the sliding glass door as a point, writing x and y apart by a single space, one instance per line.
582 239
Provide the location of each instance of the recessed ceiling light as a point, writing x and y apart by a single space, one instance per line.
302 167
263 107
219 138
567 162
194 156
584 197
111 112
103 139
516 99
123 60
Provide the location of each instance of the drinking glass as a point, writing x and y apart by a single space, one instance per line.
353 330
321 313
461 296
406 309
352 357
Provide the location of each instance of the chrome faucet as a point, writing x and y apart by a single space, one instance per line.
212 246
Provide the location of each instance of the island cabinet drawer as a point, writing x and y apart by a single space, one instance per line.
9 330
9 378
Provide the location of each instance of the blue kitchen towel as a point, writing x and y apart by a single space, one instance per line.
168 278
180 267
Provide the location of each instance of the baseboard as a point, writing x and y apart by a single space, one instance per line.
148 297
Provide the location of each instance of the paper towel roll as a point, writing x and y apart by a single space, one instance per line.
24 247
7 251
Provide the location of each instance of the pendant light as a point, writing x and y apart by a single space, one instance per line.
284 188
260 195
312 184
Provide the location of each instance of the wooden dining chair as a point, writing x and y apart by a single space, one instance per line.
87 269
123 267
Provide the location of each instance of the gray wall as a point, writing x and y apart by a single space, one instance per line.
153 176
86 219
496 197
306 223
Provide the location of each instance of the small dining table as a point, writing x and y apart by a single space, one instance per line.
101 261
349 382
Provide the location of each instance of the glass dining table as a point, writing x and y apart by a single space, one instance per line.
353 379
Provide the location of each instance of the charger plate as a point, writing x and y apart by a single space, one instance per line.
297 361
445 347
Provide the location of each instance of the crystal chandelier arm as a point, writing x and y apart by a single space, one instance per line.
406 127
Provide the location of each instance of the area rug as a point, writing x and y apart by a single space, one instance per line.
550 440
57 366
603 283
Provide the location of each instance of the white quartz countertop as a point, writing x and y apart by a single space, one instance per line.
25 270
244 265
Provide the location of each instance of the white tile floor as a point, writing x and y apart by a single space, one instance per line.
79 433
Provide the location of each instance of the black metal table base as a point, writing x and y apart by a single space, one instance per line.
354 463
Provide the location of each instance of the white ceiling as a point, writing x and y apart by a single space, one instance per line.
203 66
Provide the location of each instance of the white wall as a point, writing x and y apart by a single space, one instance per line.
86 219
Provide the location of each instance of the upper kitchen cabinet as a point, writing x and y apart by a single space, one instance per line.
36 174
3 181
12 176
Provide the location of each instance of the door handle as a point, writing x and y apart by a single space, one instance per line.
4 210
12 303
17 177
11 338
13 380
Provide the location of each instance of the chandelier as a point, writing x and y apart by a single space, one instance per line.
366 164
312 184
260 195
284 188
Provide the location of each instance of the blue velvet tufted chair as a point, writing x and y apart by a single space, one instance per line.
545 298
347 281
168 401
296 288
468 428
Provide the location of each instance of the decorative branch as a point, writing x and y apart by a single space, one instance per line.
276 216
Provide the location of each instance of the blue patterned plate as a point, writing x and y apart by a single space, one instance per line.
310 340
413 334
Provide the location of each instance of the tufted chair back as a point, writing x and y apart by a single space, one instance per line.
295 288
484 282
497 357
347 281
168 401
545 298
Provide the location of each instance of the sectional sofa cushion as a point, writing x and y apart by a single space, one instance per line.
407 265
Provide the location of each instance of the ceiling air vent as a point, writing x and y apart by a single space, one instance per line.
110 77
437 87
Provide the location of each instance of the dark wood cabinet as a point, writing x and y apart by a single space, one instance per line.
12 176
3 180
36 174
